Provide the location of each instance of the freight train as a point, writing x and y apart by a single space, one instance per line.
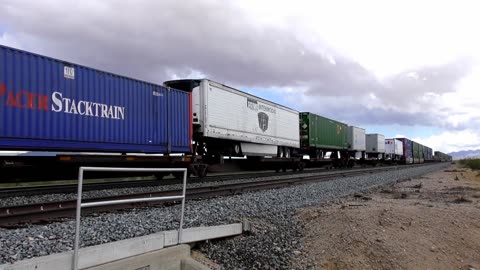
84 116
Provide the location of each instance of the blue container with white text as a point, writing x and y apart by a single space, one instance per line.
48 104
407 150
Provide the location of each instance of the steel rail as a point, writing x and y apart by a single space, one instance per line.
45 212
71 188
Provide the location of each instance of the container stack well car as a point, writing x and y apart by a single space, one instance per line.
393 149
52 105
233 123
324 140
375 146
356 142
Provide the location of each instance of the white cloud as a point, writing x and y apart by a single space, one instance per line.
450 141
9 40
385 36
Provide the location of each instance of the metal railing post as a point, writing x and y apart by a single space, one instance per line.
77 219
180 230
81 205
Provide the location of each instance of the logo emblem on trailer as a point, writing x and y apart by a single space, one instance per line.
263 121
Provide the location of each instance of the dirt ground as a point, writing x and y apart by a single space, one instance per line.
432 222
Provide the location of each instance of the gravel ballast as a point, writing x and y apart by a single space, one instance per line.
273 241
35 199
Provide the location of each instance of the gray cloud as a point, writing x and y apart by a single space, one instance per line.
345 78
404 99
406 87
351 112
153 40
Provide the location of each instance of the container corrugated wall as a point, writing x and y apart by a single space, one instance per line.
356 139
407 150
429 154
420 153
375 143
319 132
416 152
47 104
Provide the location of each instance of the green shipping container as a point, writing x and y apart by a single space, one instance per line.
423 153
416 152
320 132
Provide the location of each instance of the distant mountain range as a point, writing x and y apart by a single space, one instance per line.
466 154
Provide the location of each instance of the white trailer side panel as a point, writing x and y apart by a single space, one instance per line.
235 115
375 143
356 139
393 147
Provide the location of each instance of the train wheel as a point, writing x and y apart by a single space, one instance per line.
351 163
160 176
202 171
178 175
301 166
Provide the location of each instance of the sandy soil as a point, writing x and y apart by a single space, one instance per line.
432 222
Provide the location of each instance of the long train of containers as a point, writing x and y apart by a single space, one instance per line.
52 105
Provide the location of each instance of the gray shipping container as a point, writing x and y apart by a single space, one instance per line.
375 143
356 139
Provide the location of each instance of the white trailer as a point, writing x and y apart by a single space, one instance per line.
375 145
356 139
393 149
229 120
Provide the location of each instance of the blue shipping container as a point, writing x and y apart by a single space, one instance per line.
47 104
407 150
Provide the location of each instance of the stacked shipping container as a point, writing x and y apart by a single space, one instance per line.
320 132
393 149
407 150
356 139
416 152
47 104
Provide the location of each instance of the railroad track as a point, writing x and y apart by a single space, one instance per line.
72 188
38 213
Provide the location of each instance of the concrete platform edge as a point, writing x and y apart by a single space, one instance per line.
109 252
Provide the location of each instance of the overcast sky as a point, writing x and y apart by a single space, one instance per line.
407 68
